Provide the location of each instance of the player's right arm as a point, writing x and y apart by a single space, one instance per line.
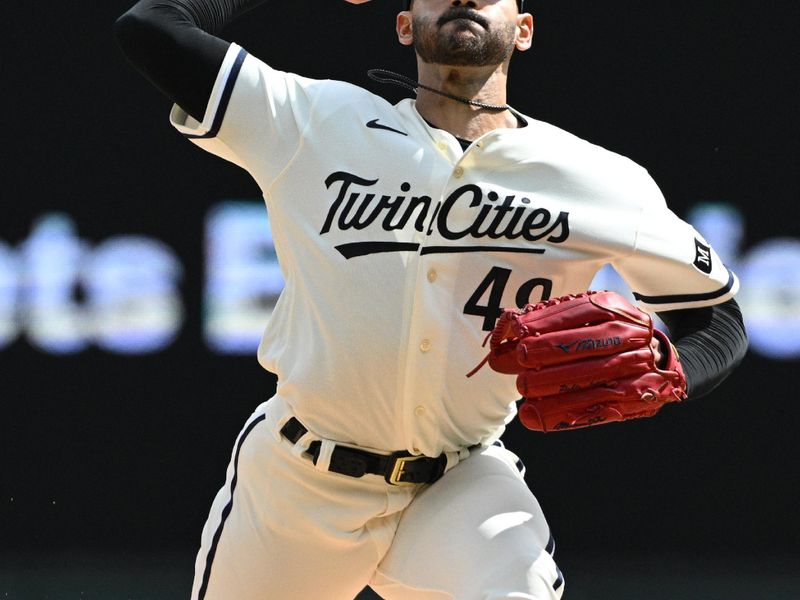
173 44
227 102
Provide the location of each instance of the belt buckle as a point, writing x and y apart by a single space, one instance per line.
398 470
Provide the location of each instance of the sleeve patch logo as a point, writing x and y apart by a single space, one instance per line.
702 259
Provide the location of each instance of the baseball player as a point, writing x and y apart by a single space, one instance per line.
403 232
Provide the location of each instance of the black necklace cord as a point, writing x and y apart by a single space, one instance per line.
385 76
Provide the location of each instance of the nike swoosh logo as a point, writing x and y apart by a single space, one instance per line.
375 125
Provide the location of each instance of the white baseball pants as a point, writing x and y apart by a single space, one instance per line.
282 528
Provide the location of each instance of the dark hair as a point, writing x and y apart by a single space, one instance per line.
407 4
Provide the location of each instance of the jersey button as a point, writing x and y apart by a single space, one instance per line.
416 450
432 275
425 345
441 146
458 172
419 411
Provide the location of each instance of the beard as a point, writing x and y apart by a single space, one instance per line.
470 42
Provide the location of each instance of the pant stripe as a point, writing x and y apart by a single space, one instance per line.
559 581
551 550
225 511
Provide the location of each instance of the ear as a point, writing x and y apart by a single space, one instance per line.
404 28
524 31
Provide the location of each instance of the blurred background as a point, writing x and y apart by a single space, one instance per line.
137 272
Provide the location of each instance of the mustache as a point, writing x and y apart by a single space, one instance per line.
463 12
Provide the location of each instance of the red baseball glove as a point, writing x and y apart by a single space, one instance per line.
585 360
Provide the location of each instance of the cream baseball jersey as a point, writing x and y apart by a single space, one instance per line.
399 249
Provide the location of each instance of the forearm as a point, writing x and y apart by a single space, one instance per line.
711 342
173 44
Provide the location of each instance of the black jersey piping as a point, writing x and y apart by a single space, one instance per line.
684 298
227 92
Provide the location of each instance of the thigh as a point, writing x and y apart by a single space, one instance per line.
279 528
476 533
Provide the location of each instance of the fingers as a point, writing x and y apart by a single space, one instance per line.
655 345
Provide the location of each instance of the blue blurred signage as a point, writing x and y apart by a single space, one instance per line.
62 295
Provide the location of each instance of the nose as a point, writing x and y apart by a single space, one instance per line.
468 3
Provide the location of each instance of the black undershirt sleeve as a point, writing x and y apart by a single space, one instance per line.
711 342
173 44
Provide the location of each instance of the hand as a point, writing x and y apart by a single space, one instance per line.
658 356
584 360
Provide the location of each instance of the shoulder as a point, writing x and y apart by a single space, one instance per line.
334 92
590 165
341 94
569 143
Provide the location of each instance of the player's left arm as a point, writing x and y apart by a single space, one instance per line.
675 273
592 358
711 341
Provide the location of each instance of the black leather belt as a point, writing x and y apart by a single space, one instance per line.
397 468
